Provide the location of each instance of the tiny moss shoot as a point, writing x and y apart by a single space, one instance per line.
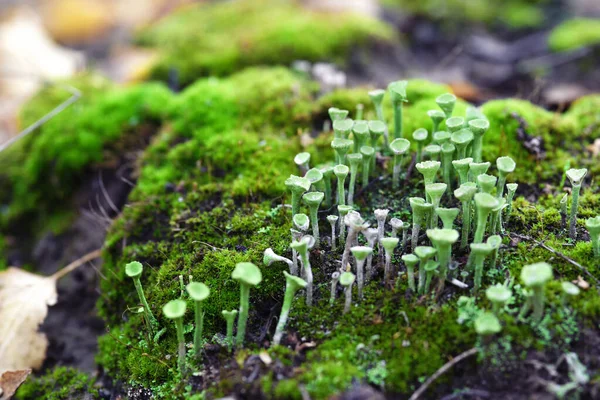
175 310
292 285
134 270
248 275
398 95
198 292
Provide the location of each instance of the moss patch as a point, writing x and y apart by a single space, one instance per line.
61 383
220 38
575 33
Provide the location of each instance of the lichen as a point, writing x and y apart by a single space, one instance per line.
60 383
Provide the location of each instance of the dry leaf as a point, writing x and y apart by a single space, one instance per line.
10 382
24 301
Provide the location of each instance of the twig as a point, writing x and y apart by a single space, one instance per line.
76 264
441 371
558 254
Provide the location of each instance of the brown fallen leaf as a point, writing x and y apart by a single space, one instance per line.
24 302
10 382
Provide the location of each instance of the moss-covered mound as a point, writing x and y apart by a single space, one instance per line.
222 37
210 193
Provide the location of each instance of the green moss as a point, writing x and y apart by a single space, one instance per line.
44 169
575 33
218 39
512 13
60 383
508 117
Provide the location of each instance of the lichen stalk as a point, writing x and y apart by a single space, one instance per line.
574 206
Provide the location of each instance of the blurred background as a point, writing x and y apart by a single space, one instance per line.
543 50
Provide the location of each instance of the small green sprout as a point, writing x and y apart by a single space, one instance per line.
486 183
343 210
134 270
335 277
534 277
436 118
479 251
341 148
396 225
389 244
229 317
292 285
421 214
355 159
476 169
431 269
462 167
465 194
376 130
341 172
495 241
327 172
356 224
448 150
447 215
269 257
446 103
301 222
248 275
455 124
368 154
569 290
175 310
336 114
342 128
433 151
575 177
399 147
441 137
428 169
434 192
377 99
442 240
372 236
302 161
479 127
346 280
198 292
498 295
420 136
313 200
360 254
297 185
487 324
484 203
425 253
360 108
360 134
505 166
315 176
398 95
461 140
410 260
381 216
302 247
512 189
593 227
332 219
563 209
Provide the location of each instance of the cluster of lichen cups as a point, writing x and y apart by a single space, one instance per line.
480 205
455 156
